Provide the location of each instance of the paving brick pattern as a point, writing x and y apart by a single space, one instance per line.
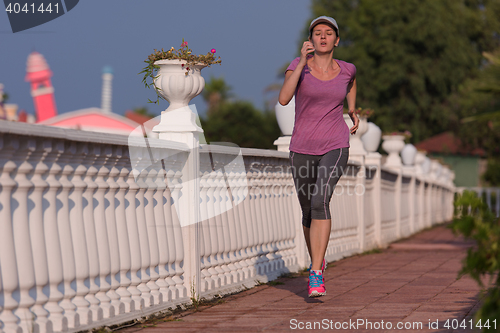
413 281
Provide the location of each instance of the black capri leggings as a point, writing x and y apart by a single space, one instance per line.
315 177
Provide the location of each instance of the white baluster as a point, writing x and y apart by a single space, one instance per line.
52 239
497 203
235 254
239 186
133 236
64 228
102 233
224 235
160 226
207 283
280 213
255 193
124 247
110 213
289 217
22 243
249 220
152 237
169 231
143 240
37 236
262 223
90 233
179 245
279 191
228 222
216 245
9 283
272 207
488 198
78 238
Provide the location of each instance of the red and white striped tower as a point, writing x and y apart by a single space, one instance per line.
38 74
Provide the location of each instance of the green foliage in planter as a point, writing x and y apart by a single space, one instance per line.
474 220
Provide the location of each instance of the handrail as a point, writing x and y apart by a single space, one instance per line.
92 236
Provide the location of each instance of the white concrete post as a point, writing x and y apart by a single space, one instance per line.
410 171
399 185
283 143
285 115
428 202
180 125
373 162
358 153
360 202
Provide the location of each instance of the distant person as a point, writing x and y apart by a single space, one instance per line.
319 147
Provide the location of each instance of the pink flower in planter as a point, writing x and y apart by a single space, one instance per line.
184 44
212 50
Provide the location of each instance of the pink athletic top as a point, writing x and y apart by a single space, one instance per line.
319 121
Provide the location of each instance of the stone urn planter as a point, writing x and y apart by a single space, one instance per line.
419 161
436 168
426 165
285 115
371 139
178 89
445 175
408 154
393 144
355 143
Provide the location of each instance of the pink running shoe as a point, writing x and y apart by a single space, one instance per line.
323 266
316 286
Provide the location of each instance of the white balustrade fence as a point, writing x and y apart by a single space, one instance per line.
85 241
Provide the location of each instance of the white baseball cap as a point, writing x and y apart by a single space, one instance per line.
324 19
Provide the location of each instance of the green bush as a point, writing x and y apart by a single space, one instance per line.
492 174
475 221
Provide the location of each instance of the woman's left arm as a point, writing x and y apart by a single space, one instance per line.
351 104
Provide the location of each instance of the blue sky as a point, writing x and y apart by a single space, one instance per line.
253 38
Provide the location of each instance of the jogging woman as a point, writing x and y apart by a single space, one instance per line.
319 147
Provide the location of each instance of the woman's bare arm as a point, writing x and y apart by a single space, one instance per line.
351 104
292 77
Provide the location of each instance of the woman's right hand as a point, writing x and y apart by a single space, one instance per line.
307 47
292 77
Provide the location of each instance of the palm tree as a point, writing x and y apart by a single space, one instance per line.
488 83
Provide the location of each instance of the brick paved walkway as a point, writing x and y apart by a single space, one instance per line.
415 280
